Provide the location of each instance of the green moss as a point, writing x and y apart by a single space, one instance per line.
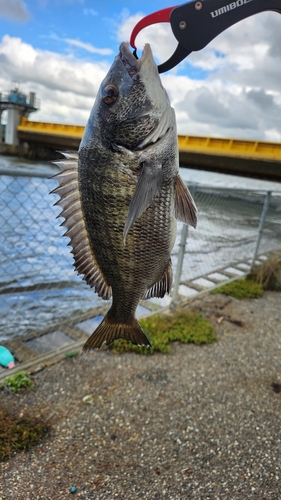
19 433
18 381
162 329
71 354
241 289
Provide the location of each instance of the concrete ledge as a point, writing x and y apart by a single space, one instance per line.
8 149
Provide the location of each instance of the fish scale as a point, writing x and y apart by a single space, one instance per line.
128 271
121 195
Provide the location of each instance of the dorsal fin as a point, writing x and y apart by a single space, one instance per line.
70 202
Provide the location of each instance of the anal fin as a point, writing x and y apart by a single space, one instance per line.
163 286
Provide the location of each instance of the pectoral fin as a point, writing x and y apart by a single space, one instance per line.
185 208
148 186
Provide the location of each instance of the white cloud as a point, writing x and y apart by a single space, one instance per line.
65 85
15 10
87 46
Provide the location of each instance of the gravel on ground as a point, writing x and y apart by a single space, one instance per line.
200 423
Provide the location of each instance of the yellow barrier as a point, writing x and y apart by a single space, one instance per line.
230 147
58 129
187 143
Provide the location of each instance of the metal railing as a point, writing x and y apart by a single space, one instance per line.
38 284
20 99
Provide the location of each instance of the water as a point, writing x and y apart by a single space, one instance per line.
214 179
38 285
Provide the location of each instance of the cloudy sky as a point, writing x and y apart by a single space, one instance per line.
61 49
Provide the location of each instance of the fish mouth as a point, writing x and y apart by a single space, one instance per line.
131 63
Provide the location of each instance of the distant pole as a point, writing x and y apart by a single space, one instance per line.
182 245
261 225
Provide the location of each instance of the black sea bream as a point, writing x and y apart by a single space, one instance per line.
122 193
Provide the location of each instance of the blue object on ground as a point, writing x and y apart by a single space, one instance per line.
6 358
73 489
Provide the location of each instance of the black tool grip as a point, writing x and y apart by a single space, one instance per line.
196 23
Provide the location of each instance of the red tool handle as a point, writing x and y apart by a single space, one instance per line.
160 16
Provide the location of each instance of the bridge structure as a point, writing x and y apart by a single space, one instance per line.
18 105
258 159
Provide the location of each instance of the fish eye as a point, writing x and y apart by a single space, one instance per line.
110 94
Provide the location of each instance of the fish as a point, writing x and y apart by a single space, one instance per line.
121 195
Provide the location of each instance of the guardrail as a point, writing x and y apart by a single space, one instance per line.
257 150
57 129
237 148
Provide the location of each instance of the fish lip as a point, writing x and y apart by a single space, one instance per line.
131 63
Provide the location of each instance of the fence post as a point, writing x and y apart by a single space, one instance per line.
261 225
182 245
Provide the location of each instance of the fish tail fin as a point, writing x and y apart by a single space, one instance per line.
108 331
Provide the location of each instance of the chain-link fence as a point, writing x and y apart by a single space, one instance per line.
234 226
38 284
